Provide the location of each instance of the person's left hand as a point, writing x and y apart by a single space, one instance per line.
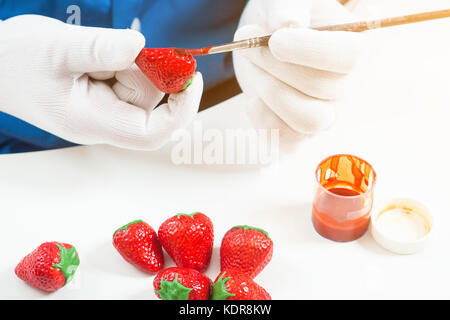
59 78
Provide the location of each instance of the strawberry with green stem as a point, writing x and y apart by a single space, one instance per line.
247 249
188 239
169 71
138 244
182 284
50 266
231 284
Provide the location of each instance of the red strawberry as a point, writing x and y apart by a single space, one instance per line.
182 284
50 266
231 284
138 244
188 239
169 71
247 249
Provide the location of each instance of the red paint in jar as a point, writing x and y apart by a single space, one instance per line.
343 200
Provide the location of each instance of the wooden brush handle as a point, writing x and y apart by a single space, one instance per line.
387 22
373 24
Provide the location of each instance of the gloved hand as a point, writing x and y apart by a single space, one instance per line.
293 83
54 76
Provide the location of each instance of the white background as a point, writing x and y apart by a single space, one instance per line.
396 117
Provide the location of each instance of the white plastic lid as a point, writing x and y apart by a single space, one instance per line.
402 226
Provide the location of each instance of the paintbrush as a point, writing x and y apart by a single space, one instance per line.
353 27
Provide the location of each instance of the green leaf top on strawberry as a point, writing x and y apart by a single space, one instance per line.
182 284
231 284
169 71
188 239
138 244
219 288
50 266
247 249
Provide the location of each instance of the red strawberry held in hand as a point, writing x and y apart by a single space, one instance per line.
188 239
49 267
231 284
138 244
169 71
247 249
182 284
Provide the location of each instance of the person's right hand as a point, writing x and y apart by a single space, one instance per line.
58 77
294 82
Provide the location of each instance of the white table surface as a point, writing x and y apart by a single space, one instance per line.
396 118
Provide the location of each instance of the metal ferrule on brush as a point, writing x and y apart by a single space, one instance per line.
242 44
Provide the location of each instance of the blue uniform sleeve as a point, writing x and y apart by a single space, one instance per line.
19 136
164 23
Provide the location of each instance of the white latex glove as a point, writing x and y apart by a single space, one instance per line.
52 75
293 83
